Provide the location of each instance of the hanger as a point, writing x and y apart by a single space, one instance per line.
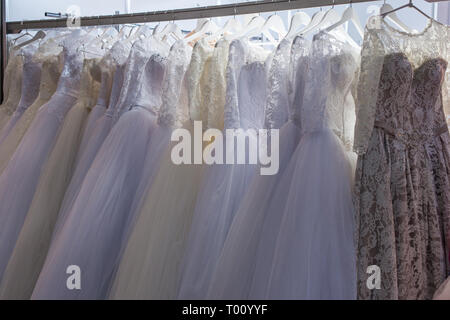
386 8
349 15
39 35
231 26
299 19
408 5
330 17
207 27
276 24
316 18
170 29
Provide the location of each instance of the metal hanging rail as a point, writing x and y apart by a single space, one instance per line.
181 14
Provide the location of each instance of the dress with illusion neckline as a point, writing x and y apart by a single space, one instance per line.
235 267
19 179
402 185
13 83
150 265
223 185
51 70
31 78
34 239
90 235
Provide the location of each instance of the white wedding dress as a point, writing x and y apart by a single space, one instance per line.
92 231
31 78
33 242
150 265
224 185
12 87
51 71
235 267
19 179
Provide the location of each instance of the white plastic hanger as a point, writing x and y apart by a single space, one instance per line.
315 20
39 35
232 26
276 24
393 17
299 19
208 27
170 29
349 15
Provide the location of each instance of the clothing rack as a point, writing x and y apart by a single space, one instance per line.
181 14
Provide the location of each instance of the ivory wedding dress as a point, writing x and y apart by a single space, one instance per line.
150 265
33 242
92 231
13 81
224 185
31 78
234 269
19 179
91 143
51 70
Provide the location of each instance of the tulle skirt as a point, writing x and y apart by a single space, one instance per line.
93 230
150 265
32 245
314 255
84 161
96 113
19 179
221 191
258 211
12 140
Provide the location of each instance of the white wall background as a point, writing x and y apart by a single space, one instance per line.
34 9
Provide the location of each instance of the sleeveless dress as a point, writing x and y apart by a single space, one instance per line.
13 77
92 231
402 186
19 179
223 185
150 265
235 267
102 126
106 68
31 78
51 71
33 242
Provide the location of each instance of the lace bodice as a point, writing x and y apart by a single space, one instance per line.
31 77
276 113
139 55
384 48
70 79
106 79
328 97
215 99
175 89
51 70
13 78
197 77
149 95
299 61
89 86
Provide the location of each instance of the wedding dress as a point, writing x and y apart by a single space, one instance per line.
13 80
51 71
92 231
224 185
172 113
92 143
106 69
31 77
402 185
233 274
19 179
32 244
150 265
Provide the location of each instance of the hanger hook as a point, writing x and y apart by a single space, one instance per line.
334 2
